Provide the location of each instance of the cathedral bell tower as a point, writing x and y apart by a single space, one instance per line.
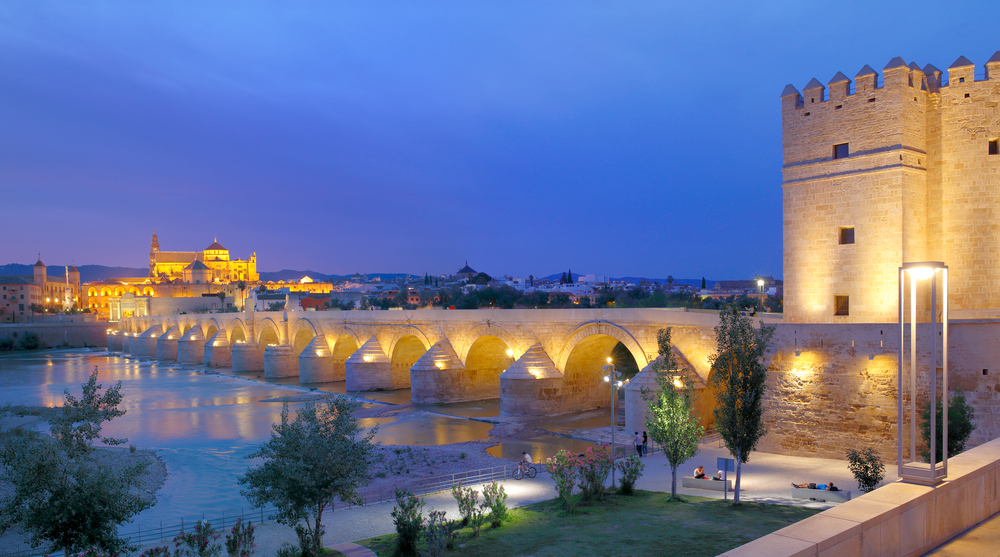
154 247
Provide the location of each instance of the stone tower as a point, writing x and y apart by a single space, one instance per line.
877 175
40 272
154 247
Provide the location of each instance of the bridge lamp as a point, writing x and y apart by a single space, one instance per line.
612 380
910 469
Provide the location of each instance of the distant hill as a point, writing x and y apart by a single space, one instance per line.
636 280
88 273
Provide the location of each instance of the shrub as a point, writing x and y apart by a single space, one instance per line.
198 543
631 469
495 499
476 520
563 469
288 550
439 535
594 468
408 520
29 342
467 499
6 344
867 468
239 540
307 540
156 552
960 426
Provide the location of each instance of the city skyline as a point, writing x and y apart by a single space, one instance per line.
639 140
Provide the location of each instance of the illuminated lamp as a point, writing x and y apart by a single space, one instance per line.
917 273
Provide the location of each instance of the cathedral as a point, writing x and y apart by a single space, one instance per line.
211 265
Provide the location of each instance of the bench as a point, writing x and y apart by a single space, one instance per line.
821 495
714 485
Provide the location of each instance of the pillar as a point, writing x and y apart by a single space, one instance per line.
316 362
166 345
280 361
439 376
369 369
217 352
114 341
532 386
144 346
191 347
247 357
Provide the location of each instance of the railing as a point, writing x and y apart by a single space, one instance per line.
147 534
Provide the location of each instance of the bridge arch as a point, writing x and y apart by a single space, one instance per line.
612 330
237 331
305 331
583 357
487 330
268 335
407 346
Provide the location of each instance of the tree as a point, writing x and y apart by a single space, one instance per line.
670 281
222 299
481 278
960 426
310 462
569 277
740 378
242 286
671 424
562 279
867 467
704 285
60 493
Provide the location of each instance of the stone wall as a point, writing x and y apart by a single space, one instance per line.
55 334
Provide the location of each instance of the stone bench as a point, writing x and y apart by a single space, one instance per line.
714 485
821 495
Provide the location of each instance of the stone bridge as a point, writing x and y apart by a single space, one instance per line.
538 362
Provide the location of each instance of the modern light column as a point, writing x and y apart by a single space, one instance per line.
612 379
910 469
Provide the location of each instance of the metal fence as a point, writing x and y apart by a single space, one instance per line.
145 534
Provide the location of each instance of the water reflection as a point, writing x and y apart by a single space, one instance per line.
539 448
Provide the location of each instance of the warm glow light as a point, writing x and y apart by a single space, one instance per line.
609 360
440 365
921 272
367 358
678 383
760 283
510 353
607 378
319 352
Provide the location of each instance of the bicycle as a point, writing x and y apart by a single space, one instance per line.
522 470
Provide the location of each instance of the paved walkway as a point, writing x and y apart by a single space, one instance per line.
982 540
766 478
353 550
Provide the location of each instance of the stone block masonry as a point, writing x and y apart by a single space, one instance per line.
75 335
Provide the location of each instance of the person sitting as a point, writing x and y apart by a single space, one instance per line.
718 476
699 473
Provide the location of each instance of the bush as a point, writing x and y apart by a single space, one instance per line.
439 535
198 543
6 344
867 467
594 468
563 469
239 540
288 550
467 499
408 520
29 342
631 469
308 541
156 552
495 499
960 426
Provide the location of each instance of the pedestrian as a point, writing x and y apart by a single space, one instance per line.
645 444
638 444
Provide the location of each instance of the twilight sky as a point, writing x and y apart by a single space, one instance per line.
618 138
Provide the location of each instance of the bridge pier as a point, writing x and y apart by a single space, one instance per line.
145 345
217 352
115 341
636 409
246 356
369 369
166 345
126 344
316 362
191 347
532 386
439 376
280 361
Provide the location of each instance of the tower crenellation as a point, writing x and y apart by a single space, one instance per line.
885 174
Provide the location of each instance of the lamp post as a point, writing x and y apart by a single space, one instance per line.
912 470
612 379
760 293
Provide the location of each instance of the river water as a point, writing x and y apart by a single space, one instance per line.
204 425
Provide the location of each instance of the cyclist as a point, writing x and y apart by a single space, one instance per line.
525 460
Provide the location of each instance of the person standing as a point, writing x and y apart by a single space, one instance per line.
645 444
638 444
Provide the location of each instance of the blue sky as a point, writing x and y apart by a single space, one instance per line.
617 138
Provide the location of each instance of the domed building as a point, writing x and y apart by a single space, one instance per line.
173 265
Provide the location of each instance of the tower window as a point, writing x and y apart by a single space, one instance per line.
841 151
841 305
995 146
846 235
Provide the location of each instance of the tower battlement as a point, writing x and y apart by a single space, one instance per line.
885 169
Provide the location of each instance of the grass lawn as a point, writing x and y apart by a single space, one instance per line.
644 523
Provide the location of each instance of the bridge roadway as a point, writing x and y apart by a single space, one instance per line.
537 361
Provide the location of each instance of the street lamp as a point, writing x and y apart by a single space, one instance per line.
911 470
760 292
612 380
